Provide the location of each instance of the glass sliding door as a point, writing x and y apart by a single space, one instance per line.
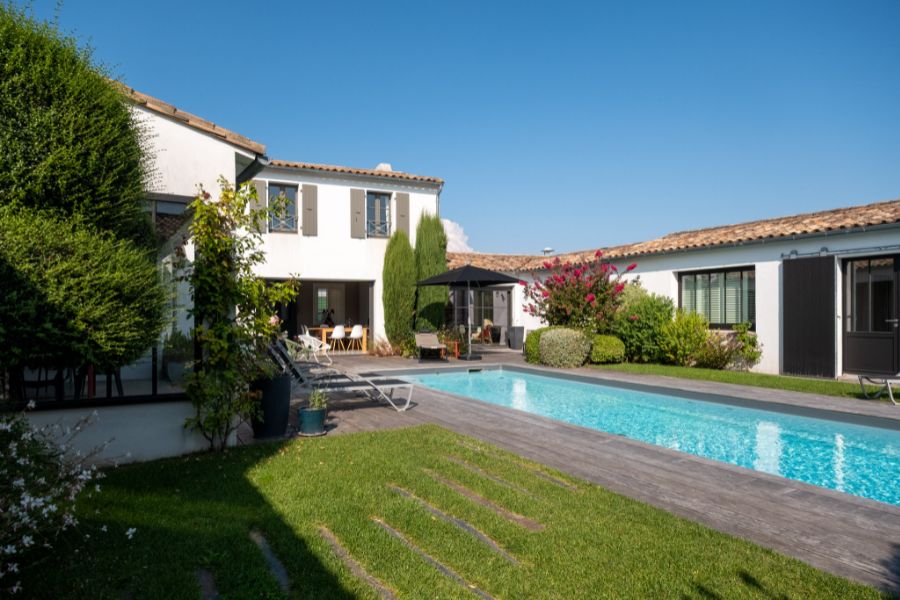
871 341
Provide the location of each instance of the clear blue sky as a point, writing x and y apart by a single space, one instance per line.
554 124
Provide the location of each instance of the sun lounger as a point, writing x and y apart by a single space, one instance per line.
430 342
309 376
884 385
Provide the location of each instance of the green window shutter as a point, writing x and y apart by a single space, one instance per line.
357 213
310 215
403 213
261 203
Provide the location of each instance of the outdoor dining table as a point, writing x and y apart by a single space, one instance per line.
325 333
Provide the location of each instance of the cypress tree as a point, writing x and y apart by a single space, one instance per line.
399 293
431 260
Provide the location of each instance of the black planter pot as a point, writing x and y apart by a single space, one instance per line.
312 421
275 406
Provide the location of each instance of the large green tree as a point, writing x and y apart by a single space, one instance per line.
79 277
431 259
69 142
399 293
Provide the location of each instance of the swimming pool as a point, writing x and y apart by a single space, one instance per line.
855 459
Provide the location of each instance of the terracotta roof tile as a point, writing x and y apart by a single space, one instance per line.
191 120
355 171
168 225
839 219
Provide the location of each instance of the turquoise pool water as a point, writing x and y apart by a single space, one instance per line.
855 459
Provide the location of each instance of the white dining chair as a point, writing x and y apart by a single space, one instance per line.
356 336
338 336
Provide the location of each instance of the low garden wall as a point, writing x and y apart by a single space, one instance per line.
139 432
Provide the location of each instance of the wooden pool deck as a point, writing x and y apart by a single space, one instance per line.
843 534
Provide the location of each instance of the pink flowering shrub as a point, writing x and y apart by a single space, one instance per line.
585 296
40 477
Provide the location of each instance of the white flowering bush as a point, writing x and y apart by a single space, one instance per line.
41 475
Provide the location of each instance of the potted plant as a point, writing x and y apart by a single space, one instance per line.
178 351
312 417
272 387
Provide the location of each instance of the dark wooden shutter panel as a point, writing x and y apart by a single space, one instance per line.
403 213
310 209
262 201
808 316
357 213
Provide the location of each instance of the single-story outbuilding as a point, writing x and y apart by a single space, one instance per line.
821 289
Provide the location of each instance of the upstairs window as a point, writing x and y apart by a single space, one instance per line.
284 220
378 214
725 298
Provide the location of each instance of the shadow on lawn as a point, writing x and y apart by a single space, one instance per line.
751 582
190 513
893 566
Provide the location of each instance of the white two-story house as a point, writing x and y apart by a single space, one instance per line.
333 235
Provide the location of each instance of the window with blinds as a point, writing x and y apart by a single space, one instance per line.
725 298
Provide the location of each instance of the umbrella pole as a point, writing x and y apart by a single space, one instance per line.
469 321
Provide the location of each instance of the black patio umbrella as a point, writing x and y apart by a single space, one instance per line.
468 277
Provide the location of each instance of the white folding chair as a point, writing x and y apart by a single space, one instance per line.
338 336
309 346
355 338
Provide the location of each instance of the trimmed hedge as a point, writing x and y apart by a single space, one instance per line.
74 294
564 348
533 343
607 349
70 142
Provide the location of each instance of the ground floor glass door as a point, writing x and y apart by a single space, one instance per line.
871 307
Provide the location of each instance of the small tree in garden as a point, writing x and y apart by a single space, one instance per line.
234 309
586 296
431 260
399 293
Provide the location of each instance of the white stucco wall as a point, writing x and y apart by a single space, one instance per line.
333 254
137 432
659 274
182 157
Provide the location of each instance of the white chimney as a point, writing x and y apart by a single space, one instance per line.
384 167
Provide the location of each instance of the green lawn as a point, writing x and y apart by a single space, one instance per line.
825 387
196 512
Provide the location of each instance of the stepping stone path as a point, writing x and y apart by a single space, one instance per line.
467 527
355 568
478 499
444 569
275 566
208 589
